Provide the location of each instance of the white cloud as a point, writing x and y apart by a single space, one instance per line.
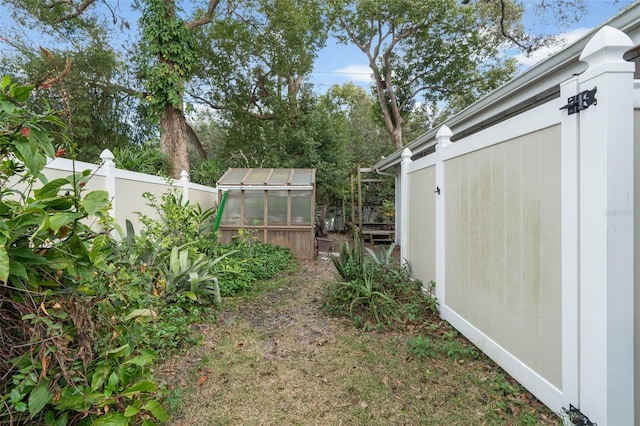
355 72
564 40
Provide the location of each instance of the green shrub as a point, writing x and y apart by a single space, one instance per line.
66 353
421 347
84 316
373 291
143 159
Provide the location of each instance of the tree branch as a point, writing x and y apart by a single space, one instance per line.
218 107
208 16
79 8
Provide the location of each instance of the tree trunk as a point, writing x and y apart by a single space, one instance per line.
173 140
396 137
195 142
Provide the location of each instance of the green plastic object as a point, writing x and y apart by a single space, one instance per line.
220 210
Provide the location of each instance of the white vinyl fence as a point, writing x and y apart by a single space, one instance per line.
527 229
126 188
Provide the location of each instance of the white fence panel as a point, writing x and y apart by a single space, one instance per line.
534 239
126 188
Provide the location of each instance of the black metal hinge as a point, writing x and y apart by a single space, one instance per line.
577 418
582 100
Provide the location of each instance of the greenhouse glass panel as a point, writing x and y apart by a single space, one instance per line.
234 176
254 207
277 207
280 177
257 177
301 207
232 209
302 177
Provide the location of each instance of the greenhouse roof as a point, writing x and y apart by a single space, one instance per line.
268 179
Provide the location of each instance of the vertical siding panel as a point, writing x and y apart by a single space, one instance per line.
513 247
498 252
481 246
414 210
421 220
551 257
475 253
452 226
531 306
464 228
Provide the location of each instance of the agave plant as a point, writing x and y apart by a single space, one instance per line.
381 306
383 258
195 279
350 263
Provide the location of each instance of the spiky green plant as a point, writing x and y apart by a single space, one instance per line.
350 263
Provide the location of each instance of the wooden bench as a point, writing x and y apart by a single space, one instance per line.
378 235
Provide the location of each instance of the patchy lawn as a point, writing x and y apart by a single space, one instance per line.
276 358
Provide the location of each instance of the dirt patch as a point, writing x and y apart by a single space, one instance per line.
279 359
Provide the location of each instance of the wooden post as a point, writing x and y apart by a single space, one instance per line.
359 202
353 205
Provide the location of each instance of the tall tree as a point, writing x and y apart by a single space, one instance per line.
254 62
435 48
368 138
166 54
168 57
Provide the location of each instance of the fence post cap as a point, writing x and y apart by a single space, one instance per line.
107 155
443 137
406 154
184 175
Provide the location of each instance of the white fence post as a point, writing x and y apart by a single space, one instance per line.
184 182
110 179
570 224
404 204
443 138
606 233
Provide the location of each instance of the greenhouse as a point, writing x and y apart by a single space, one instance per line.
275 205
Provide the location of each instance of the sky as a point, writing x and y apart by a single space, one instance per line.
339 64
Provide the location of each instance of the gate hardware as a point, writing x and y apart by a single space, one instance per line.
437 190
582 100
576 417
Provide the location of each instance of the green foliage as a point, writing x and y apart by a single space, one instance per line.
381 306
449 344
82 314
196 280
442 50
383 258
374 292
43 235
421 347
252 261
350 262
208 172
179 223
54 274
167 53
143 159
455 347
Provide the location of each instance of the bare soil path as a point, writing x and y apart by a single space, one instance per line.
278 359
